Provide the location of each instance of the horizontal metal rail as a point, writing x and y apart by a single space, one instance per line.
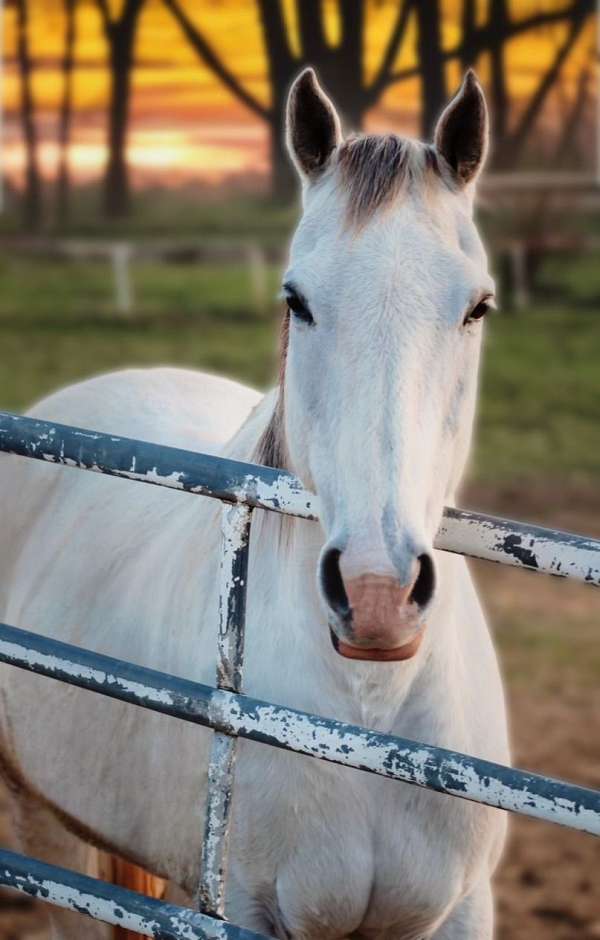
434 768
111 904
474 534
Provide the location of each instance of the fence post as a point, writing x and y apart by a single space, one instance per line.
235 529
257 268
120 256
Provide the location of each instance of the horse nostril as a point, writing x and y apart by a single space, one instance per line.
332 583
423 587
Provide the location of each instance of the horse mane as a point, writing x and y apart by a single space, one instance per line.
271 449
375 169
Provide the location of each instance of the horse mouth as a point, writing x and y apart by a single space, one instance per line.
376 654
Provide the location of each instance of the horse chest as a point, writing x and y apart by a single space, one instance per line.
337 852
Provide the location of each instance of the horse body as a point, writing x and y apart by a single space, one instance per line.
317 851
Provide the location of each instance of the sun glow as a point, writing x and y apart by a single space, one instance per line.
185 123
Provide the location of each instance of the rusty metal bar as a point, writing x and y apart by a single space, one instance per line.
235 530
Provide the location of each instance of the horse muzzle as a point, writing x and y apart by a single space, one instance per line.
375 617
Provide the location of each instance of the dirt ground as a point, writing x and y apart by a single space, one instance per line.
548 635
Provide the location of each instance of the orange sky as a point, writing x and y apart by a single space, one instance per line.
185 125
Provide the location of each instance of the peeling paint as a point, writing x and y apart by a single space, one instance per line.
350 745
547 551
111 904
235 531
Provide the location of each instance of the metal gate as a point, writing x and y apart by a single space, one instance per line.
243 487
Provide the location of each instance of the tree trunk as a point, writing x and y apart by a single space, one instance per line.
515 144
117 196
499 28
284 182
66 111
468 55
281 68
32 203
431 61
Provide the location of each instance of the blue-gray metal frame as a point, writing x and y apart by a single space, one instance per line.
235 528
477 535
231 714
113 905
434 768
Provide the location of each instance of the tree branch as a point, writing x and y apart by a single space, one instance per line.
280 61
516 140
104 14
483 35
383 78
211 59
312 35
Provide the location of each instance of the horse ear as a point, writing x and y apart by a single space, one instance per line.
462 132
312 126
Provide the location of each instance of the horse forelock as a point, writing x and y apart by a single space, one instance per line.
375 169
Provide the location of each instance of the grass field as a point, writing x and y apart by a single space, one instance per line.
540 389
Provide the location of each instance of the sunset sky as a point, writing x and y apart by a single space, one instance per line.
185 124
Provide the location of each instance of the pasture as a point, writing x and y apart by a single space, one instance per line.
537 457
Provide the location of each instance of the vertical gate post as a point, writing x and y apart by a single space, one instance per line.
235 530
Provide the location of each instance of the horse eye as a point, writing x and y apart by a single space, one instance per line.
298 307
479 310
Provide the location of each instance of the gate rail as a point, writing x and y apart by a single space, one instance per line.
233 715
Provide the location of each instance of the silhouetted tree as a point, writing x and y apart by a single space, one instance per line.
568 144
120 34
32 199
499 25
512 143
341 67
431 64
469 24
63 185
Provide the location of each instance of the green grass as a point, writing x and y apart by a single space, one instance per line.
540 399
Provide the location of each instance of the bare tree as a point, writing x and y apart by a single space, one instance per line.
341 67
32 203
568 144
120 32
499 28
431 62
513 143
469 25
63 186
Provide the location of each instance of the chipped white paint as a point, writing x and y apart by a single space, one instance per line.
235 534
412 762
215 847
474 534
37 660
513 543
113 905
417 764
284 494
235 537
172 480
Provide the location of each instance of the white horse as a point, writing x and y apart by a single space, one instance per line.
357 618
